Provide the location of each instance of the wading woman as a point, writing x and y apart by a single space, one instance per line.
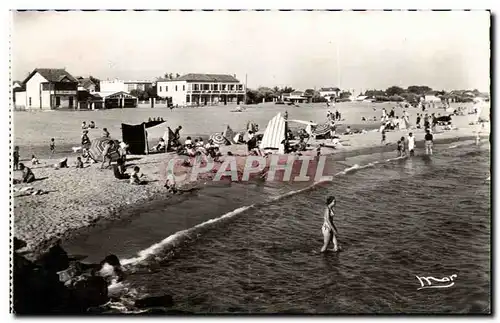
329 230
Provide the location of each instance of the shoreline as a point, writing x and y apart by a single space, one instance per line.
106 211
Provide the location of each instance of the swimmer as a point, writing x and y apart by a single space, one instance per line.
329 230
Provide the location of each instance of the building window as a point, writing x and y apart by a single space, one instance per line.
160 88
131 87
187 98
166 88
176 88
240 87
183 88
196 87
216 87
223 87
58 101
29 100
206 87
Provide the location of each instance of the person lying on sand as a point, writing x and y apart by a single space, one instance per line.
135 178
28 175
63 163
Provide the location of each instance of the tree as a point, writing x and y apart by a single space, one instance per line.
287 89
166 76
265 93
394 90
374 93
345 95
97 83
177 75
152 93
170 76
309 92
419 89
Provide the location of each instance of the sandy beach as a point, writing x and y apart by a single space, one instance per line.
77 198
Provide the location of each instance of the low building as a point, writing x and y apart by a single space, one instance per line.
330 93
201 89
431 98
295 97
48 88
117 85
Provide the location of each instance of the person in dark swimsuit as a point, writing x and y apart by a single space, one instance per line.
429 141
329 230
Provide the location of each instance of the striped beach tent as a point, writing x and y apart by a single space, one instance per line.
274 134
322 130
97 147
219 139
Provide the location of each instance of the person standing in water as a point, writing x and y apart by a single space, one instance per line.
411 144
329 230
429 140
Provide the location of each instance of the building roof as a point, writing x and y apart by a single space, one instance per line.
52 75
329 89
85 83
195 77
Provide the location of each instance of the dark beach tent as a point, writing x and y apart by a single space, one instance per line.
98 145
136 137
229 134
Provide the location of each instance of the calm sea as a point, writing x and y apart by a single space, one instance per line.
397 219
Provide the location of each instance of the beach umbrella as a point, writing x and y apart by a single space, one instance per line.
322 129
97 147
219 139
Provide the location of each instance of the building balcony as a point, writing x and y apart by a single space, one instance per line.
215 92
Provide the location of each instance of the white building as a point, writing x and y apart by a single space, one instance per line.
295 97
117 85
201 89
48 88
431 98
330 93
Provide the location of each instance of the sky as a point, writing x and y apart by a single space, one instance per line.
350 50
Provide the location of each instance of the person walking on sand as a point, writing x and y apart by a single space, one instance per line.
52 146
429 142
411 144
329 230
418 120
105 133
382 142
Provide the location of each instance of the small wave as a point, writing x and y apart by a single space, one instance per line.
178 237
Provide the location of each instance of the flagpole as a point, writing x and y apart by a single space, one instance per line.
246 82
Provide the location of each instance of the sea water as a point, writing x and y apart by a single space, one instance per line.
245 248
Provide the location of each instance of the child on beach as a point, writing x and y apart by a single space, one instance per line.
429 140
15 157
135 178
105 133
79 163
52 146
34 160
401 147
411 144
383 136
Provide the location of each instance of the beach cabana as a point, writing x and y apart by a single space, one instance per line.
136 136
274 134
98 145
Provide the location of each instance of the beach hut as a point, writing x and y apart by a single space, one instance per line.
136 136
274 134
